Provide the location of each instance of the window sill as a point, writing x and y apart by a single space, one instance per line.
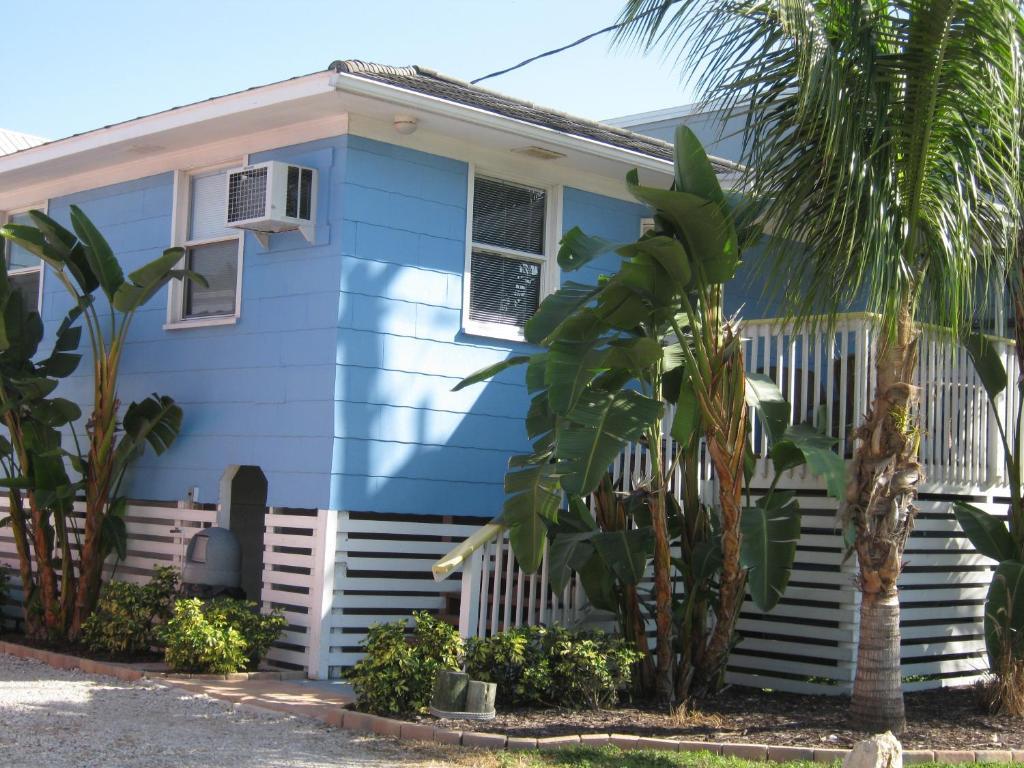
494 331
200 322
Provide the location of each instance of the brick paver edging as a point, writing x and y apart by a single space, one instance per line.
351 720
129 672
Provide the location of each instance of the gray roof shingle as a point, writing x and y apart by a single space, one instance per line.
431 83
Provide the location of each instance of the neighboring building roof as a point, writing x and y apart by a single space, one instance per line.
13 141
431 83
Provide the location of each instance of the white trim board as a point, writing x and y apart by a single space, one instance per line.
186 159
294 111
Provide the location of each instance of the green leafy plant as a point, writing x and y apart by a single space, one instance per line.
259 630
396 676
40 491
84 263
517 660
1003 542
879 144
198 643
542 666
589 668
614 357
127 615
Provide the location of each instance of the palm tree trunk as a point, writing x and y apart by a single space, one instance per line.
877 704
880 507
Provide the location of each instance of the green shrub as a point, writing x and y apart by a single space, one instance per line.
589 668
397 674
539 666
258 630
201 643
517 660
126 616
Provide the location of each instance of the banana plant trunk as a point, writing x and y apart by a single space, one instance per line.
97 491
727 415
880 495
33 627
664 683
728 464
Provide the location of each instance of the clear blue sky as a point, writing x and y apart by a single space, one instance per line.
74 65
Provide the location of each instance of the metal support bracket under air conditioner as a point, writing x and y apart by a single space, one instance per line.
308 231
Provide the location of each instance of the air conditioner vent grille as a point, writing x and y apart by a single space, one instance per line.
247 194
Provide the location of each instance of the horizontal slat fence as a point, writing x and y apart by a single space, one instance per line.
157 535
382 573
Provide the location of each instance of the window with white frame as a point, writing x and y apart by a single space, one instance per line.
24 269
212 250
508 265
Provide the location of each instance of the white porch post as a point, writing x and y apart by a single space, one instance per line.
469 608
321 594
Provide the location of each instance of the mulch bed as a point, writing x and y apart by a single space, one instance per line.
946 718
74 649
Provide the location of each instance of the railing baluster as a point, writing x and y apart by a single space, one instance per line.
499 551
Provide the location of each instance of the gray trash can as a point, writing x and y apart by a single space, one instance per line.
213 563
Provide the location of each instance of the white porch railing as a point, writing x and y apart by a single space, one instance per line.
829 380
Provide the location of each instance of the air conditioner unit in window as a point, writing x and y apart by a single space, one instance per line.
272 197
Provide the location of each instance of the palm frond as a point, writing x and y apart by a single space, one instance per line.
883 137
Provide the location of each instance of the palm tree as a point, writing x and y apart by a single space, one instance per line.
882 135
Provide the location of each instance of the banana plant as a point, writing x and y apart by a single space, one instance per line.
613 355
1003 542
40 492
84 263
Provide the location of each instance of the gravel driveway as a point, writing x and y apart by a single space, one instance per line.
67 719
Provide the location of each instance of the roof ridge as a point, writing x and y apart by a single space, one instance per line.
359 67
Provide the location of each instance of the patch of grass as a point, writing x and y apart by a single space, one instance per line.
613 757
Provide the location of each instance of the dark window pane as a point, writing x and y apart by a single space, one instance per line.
503 290
218 263
508 215
18 257
27 284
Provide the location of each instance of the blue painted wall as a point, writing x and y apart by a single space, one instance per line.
336 379
258 392
405 442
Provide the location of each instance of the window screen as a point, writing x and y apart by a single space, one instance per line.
508 215
208 207
503 290
218 263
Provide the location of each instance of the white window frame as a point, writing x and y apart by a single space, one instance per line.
5 217
550 274
180 217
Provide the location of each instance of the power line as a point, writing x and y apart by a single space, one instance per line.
582 40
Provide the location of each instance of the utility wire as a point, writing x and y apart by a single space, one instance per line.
582 40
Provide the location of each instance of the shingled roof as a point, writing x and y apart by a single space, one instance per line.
431 83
